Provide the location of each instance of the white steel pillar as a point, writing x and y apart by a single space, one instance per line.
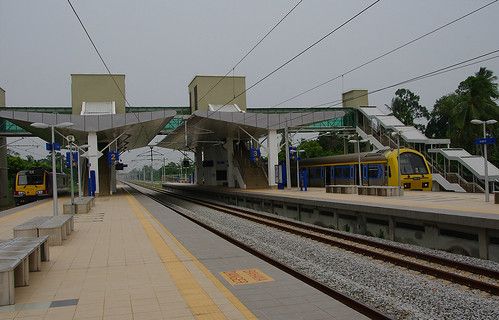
229 146
273 152
93 157
288 161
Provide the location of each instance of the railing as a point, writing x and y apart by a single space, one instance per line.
454 177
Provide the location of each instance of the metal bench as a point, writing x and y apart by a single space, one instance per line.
57 228
18 257
81 205
30 227
367 190
339 188
383 191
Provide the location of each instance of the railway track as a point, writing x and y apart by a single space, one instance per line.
360 307
472 276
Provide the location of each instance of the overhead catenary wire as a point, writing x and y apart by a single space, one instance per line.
439 71
251 50
386 53
298 55
103 61
97 51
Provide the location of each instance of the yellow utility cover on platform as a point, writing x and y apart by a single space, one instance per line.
246 276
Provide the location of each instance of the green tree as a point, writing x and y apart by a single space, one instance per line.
441 117
475 98
332 142
406 107
312 149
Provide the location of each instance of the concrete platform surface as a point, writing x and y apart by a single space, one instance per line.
469 203
131 258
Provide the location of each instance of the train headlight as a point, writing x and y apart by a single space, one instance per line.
39 192
21 193
425 184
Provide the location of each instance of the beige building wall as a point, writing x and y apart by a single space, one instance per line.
355 98
227 89
97 88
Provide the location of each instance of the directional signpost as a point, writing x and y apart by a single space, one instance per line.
485 141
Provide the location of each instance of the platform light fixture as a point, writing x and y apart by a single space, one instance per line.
41 125
485 165
358 142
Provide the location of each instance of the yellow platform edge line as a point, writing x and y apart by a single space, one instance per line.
191 291
226 292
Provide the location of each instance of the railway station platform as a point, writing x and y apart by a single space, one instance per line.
132 258
457 222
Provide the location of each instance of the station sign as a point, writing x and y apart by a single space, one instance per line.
68 159
112 157
485 141
56 147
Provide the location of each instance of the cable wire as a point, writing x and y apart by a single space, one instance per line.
299 54
387 53
455 66
251 50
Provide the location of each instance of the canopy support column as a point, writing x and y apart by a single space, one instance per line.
273 151
93 157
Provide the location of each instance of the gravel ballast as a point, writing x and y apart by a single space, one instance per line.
398 292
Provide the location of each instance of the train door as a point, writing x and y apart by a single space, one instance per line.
327 173
365 175
353 176
375 175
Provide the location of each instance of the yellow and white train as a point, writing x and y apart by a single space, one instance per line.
35 184
377 168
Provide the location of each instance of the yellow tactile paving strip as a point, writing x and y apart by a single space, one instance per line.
184 275
114 269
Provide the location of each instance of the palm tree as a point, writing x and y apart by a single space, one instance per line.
477 101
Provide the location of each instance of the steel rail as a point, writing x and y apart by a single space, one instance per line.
400 257
358 306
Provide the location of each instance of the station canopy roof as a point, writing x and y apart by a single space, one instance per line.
212 127
133 130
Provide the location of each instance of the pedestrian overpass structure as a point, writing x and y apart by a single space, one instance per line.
223 137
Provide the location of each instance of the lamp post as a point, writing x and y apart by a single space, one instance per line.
79 149
358 142
298 167
40 125
485 165
397 134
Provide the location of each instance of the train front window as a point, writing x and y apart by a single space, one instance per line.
29 179
411 163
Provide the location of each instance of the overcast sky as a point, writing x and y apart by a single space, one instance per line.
160 45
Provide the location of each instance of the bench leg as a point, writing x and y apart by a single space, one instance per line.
21 274
55 236
35 260
63 232
7 288
45 254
